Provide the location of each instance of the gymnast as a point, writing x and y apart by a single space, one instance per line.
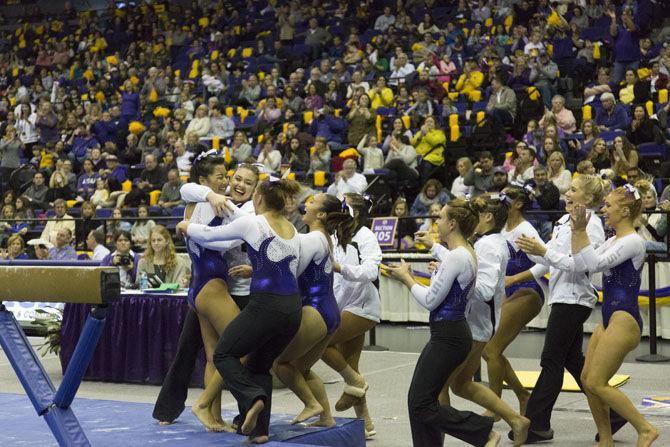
571 299
357 297
324 215
523 303
451 287
172 396
621 259
483 309
272 317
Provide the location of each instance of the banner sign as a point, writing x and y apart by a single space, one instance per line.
384 228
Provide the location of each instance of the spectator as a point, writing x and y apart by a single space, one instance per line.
297 156
564 118
544 195
85 225
319 159
114 224
141 229
432 192
470 81
422 108
240 149
557 173
590 132
87 180
585 167
623 155
499 181
634 90
626 43
599 155
481 174
385 20
653 227
60 220
294 216
124 258
16 248
543 73
328 126
10 155
270 157
348 180
429 143
373 157
361 120
458 187
37 192
95 242
170 196
406 227
523 167
220 125
594 91
151 178
402 69
643 129
161 260
611 116
501 107
62 250
316 38
81 142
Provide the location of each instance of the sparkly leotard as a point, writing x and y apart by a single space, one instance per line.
518 261
316 279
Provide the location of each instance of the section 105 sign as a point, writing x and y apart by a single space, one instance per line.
384 228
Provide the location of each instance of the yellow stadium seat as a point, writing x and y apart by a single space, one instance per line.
153 197
453 119
663 96
247 52
319 178
455 133
126 186
70 203
586 113
307 116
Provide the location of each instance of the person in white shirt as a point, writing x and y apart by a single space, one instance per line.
385 20
401 70
458 188
357 269
183 158
620 258
94 242
571 299
348 180
373 157
270 157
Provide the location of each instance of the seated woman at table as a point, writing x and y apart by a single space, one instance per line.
160 259
123 258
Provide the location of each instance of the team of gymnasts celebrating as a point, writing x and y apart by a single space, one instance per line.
266 298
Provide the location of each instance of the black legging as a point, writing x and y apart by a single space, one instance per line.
262 331
447 349
171 399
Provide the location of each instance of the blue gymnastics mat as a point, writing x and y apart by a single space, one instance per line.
115 423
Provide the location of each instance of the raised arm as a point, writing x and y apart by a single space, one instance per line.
607 257
243 228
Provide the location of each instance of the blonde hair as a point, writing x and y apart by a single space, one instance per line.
170 256
550 170
627 199
596 186
645 187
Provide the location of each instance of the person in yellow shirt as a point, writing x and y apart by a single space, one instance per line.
429 144
470 81
380 95
47 155
627 92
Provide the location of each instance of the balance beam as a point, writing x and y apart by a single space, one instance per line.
65 283
68 283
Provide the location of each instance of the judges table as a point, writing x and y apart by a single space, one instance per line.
139 340
399 306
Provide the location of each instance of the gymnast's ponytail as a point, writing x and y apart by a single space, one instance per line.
495 203
465 214
339 219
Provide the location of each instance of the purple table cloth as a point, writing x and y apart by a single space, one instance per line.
138 342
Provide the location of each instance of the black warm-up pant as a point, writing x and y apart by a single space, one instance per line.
170 402
562 350
261 331
448 347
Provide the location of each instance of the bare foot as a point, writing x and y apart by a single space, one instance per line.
164 423
523 402
520 427
346 401
491 414
257 440
323 422
369 429
606 442
222 425
205 417
647 437
308 412
251 417
494 439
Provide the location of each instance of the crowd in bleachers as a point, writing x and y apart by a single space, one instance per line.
414 102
